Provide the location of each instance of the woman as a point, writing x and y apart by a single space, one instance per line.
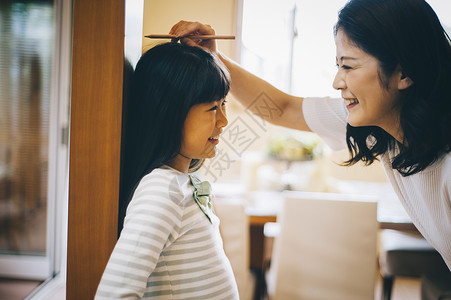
394 73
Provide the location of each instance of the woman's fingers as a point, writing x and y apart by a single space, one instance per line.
185 28
189 42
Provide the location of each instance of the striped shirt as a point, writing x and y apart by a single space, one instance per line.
168 249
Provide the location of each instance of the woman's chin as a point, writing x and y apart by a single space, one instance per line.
355 122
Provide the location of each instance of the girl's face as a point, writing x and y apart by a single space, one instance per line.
368 102
203 125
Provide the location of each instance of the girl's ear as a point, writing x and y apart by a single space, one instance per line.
404 82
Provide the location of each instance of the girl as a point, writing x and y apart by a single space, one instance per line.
394 73
170 246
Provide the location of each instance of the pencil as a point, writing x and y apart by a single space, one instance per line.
195 37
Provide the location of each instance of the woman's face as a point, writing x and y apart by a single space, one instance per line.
203 125
368 102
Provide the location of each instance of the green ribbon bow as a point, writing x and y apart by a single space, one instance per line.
201 195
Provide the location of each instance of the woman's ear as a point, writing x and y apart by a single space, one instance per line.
404 82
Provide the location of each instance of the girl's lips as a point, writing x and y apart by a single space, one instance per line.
214 141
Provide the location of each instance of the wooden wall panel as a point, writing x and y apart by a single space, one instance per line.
96 106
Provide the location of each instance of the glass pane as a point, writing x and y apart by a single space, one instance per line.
26 46
269 60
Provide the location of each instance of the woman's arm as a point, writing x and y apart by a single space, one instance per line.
253 92
248 88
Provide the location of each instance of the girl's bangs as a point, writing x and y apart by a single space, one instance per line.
213 83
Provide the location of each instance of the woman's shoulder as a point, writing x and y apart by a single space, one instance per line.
446 166
445 174
327 117
443 165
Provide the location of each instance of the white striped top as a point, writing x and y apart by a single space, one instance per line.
426 195
168 249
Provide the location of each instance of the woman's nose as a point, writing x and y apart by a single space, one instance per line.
339 83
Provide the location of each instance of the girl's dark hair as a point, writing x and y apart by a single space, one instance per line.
405 34
168 81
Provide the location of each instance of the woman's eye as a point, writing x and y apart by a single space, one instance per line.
344 67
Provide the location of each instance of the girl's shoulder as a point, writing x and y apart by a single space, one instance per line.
164 172
164 179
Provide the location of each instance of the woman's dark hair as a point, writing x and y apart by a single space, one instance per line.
168 80
404 34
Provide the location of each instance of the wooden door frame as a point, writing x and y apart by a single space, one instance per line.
95 141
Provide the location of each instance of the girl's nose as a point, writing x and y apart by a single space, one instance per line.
221 117
339 83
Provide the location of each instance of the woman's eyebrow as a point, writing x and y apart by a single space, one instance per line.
347 57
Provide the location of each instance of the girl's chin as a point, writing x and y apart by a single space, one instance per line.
210 153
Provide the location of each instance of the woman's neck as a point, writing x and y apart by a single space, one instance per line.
393 128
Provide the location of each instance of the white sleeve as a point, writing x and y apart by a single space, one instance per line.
327 117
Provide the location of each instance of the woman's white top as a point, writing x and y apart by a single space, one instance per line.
426 196
168 248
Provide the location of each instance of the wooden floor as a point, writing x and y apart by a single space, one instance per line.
16 289
404 288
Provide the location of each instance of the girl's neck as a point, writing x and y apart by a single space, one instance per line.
180 163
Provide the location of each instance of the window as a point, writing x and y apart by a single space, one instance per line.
34 93
290 43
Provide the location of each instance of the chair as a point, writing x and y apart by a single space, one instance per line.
407 254
436 287
234 229
326 248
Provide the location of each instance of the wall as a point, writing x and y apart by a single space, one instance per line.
161 15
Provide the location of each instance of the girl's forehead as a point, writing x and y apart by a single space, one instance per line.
204 104
215 101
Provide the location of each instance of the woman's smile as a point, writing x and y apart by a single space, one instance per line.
351 102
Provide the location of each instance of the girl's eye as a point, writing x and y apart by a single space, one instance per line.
216 107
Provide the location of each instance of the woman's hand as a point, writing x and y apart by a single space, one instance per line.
185 28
